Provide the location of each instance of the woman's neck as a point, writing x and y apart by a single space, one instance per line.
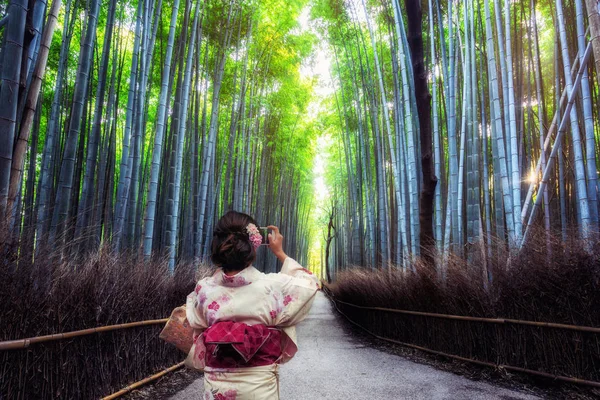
232 273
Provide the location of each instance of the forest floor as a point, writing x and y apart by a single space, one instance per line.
336 361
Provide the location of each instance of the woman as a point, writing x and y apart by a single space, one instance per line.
244 319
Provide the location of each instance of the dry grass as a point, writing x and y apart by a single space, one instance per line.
562 286
53 295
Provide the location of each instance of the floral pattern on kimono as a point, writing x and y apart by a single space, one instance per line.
231 394
251 297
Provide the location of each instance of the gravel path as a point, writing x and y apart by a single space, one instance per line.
332 365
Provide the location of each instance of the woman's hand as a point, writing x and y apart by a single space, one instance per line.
276 243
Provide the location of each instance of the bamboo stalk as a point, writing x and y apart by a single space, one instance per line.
577 328
563 99
561 130
24 343
478 362
144 381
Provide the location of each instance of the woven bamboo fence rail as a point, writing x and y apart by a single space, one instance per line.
478 319
144 381
24 343
473 319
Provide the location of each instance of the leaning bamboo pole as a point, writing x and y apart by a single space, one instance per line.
144 381
553 126
31 105
557 141
24 343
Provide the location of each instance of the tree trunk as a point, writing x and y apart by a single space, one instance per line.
580 179
588 119
86 200
593 9
158 140
9 95
45 184
124 170
415 41
212 131
172 240
30 105
65 188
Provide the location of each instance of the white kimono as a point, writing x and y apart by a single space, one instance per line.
280 300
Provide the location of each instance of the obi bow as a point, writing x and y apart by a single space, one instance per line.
246 340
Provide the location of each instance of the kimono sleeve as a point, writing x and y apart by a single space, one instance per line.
197 321
194 316
298 292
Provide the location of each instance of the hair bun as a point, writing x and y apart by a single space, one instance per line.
231 248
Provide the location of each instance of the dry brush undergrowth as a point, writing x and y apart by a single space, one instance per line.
60 294
551 283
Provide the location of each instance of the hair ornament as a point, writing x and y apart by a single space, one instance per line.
254 234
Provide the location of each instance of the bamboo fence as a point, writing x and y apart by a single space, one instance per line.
144 381
470 360
499 321
24 343
477 319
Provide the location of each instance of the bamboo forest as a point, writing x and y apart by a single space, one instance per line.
397 138
138 124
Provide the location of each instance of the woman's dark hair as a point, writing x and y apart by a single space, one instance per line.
231 248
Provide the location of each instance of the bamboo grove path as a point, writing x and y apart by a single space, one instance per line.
331 364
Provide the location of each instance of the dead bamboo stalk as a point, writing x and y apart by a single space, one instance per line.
24 343
479 319
470 360
144 381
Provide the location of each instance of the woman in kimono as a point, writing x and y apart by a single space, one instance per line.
244 319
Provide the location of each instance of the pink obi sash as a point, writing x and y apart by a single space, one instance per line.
238 345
